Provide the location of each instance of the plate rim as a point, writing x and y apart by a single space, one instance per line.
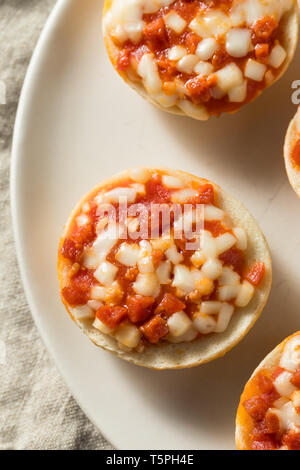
22 108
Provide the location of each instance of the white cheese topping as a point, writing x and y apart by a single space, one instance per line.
290 358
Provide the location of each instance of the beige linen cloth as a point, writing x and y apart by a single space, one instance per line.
37 410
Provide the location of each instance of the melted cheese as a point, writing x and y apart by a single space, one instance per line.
290 358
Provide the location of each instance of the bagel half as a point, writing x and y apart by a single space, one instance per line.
291 140
203 91
206 347
244 422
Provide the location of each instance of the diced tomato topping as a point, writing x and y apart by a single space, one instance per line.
234 258
155 329
292 440
70 250
139 308
170 304
263 29
256 273
111 316
296 378
155 34
123 61
167 68
256 407
199 88
262 51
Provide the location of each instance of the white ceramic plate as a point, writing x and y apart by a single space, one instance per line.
79 123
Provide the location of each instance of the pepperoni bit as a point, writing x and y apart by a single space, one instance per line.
83 235
264 383
70 250
170 304
263 29
123 61
292 440
139 307
256 273
215 227
262 51
266 444
234 258
74 296
155 34
256 407
111 316
206 195
77 293
155 329
220 58
296 378
272 423
199 88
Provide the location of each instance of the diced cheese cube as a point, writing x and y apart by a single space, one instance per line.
238 42
187 63
106 273
140 175
195 111
98 293
147 284
224 317
245 294
283 384
198 258
224 242
176 53
94 304
203 68
82 312
120 194
183 278
206 48
241 237
172 181
226 293
238 94
229 77
145 265
175 22
165 99
229 277
213 213
290 358
183 195
134 30
179 323
255 70
90 259
208 244
128 335
205 324
128 254
164 272
212 268
147 69
173 255
277 56
210 307
99 325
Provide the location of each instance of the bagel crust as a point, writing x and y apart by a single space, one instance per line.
155 300
268 416
200 58
292 153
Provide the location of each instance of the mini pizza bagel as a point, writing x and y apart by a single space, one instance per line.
292 153
200 58
268 416
163 268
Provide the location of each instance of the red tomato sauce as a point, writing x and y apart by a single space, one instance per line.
295 156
